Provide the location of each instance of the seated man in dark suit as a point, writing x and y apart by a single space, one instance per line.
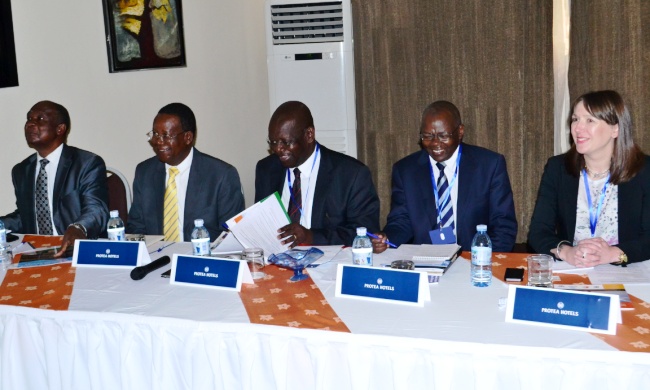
328 196
60 189
180 184
448 188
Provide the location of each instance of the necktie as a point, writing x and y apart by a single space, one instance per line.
295 203
170 209
445 210
43 216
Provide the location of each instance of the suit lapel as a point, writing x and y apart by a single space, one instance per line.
61 174
158 191
464 182
323 183
191 197
29 188
423 177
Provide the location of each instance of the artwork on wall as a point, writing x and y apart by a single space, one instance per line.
144 34
8 67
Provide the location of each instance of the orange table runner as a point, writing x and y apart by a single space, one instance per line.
46 287
275 300
633 335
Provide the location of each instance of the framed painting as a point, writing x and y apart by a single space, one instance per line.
8 67
144 34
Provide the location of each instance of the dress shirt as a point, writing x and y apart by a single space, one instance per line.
450 168
181 187
308 176
50 169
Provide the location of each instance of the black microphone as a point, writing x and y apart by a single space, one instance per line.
142 271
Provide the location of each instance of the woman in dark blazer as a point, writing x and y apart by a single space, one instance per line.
593 204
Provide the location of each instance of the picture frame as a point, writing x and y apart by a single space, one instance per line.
144 34
8 65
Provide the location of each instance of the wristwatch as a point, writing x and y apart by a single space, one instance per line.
622 260
80 227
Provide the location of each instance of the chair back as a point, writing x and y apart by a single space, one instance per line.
119 193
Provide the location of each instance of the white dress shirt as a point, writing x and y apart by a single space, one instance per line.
182 179
308 176
450 168
50 169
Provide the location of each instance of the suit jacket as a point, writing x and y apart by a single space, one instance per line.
484 197
345 197
79 193
214 194
554 217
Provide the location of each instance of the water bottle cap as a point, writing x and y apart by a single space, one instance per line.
115 213
481 228
361 231
198 222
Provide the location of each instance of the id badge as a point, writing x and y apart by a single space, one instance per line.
442 236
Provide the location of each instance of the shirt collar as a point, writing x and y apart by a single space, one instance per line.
185 164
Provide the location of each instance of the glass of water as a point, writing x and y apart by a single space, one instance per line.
540 270
255 259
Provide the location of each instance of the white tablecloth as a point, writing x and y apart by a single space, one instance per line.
148 334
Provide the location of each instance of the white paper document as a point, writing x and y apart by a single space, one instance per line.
257 226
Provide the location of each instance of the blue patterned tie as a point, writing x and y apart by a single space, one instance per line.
43 217
446 211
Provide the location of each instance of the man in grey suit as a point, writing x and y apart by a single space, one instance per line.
60 189
181 184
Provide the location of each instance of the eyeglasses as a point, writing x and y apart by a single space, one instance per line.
443 137
152 136
285 144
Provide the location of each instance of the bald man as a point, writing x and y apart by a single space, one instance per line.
327 194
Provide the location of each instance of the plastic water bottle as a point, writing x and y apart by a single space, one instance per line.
3 235
481 258
362 248
200 239
116 227
5 258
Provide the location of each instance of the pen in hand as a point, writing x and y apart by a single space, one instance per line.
390 244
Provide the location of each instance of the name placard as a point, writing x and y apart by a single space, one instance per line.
210 272
103 253
588 312
386 285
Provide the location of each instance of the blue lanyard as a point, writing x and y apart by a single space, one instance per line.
313 163
445 197
593 219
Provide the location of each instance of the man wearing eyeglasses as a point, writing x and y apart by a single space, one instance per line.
60 190
327 194
180 184
443 191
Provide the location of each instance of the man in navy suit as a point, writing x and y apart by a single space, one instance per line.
60 189
328 196
476 189
204 187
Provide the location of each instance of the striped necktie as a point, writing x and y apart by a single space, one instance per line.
446 211
43 216
170 209
295 204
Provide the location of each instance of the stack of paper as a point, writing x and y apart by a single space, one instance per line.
257 226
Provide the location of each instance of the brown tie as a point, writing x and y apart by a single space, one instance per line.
295 203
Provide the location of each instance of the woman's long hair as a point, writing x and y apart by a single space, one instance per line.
627 158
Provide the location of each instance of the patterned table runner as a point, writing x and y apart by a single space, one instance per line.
633 335
46 287
275 300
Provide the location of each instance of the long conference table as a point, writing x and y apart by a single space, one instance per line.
149 334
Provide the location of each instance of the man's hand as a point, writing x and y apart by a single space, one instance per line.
295 234
72 233
379 244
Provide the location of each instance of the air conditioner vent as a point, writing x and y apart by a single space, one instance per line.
307 23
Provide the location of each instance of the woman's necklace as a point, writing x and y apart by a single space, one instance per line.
597 175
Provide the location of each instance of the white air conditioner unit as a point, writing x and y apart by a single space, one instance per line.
310 58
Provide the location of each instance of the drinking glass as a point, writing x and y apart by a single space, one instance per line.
255 259
540 270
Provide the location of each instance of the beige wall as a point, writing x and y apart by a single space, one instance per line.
61 56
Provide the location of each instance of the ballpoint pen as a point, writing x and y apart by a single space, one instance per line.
161 248
390 244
